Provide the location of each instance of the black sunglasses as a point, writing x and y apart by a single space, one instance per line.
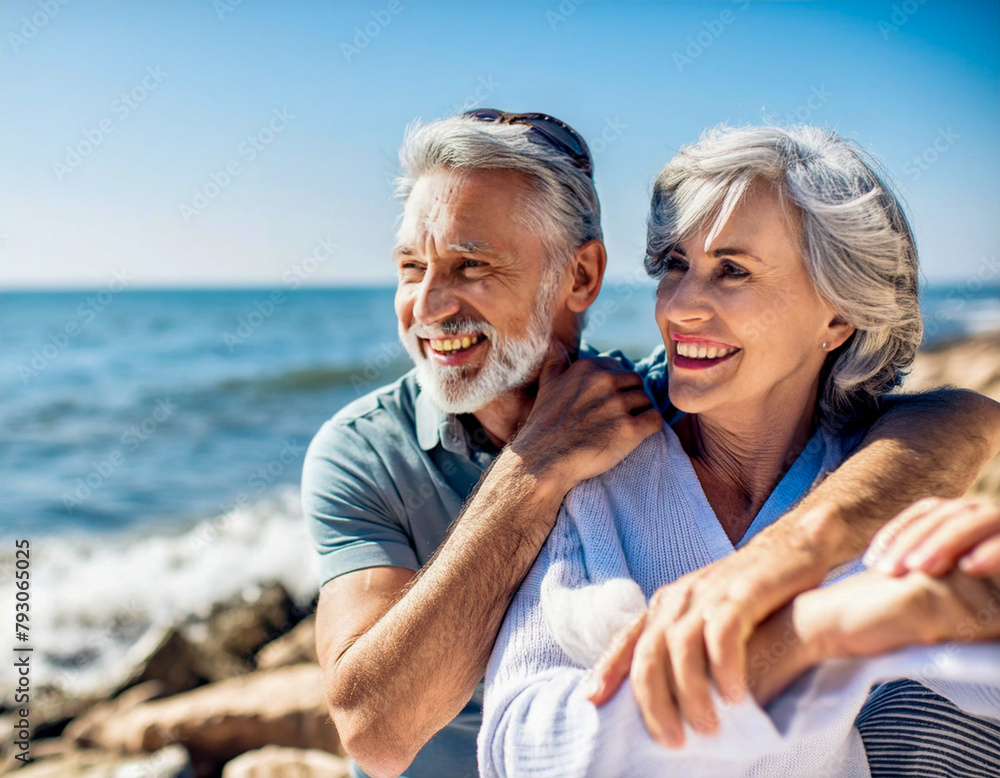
556 133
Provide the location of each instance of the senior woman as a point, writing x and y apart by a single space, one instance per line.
787 301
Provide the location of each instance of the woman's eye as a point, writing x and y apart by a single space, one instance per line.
676 263
472 263
734 271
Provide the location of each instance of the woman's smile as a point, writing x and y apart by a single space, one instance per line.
701 362
694 353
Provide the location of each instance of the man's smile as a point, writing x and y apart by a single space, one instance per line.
455 350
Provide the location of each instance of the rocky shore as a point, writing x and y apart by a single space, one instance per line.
238 694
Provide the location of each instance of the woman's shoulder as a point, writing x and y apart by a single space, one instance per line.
634 476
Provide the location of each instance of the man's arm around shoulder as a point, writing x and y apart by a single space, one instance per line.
401 653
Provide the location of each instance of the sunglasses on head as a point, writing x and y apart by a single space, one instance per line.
556 133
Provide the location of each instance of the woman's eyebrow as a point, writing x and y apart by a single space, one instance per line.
724 252
729 252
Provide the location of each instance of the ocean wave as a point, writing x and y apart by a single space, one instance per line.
370 374
94 596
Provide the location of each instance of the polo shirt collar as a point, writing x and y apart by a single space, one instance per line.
434 426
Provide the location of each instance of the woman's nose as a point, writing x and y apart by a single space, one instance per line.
686 300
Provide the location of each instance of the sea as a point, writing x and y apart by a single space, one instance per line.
151 444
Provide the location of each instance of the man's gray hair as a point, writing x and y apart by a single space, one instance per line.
564 210
859 248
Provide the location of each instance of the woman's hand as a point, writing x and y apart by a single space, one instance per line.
935 536
696 629
865 615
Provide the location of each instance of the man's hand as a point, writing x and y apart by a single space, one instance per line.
697 628
705 618
586 418
935 536
868 614
387 689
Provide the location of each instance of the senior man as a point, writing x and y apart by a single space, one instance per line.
429 498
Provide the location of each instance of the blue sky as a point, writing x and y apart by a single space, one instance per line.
115 116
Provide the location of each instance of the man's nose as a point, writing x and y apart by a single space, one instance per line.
436 299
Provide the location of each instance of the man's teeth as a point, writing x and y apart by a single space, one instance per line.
455 344
694 351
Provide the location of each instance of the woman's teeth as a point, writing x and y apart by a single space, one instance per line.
455 344
694 351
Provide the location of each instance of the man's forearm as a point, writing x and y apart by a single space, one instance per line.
866 615
414 669
923 445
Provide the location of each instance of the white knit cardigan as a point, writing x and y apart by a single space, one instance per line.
617 539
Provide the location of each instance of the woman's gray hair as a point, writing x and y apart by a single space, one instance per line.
564 210
859 249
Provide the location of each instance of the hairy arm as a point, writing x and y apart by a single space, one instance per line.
932 444
402 653
926 444
407 662
866 615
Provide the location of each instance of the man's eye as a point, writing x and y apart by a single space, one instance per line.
472 263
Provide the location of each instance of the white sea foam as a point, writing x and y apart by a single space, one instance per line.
94 596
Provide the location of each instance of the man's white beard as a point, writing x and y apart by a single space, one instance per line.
510 363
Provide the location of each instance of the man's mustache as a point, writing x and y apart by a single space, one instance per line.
452 327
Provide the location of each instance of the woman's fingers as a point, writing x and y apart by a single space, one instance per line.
902 534
932 535
984 560
613 668
966 527
653 687
686 647
726 637
885 539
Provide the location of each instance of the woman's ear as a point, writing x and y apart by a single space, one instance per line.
589 262
837 333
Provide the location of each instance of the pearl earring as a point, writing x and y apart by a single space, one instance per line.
824 345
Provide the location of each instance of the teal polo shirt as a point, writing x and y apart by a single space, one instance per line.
382 481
